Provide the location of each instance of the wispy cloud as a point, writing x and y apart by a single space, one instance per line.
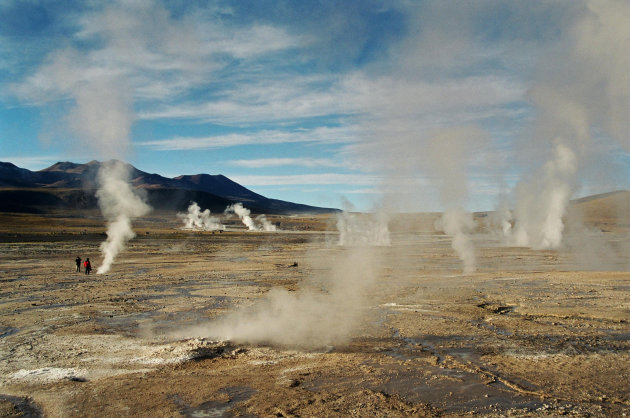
305 179
368 191
159 55
334 135
253 74
414 95
32 162
263 98
368 100
280 162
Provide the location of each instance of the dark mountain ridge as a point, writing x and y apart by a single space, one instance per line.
67 185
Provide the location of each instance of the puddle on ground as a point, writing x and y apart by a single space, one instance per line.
473 385
159 322
26 408
11 279
36 305
548 344
456 391
235 395
447 386
6 331
492 328
188 288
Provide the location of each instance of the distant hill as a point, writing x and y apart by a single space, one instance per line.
67 185
612 206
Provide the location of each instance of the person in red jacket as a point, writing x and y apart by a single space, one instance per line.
87 265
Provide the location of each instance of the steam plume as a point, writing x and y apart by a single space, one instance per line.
100 119
501 219
459 224
326 309
447 150
120 205
265 224
543 201
363 229
103 117
576 97
243 213
195 219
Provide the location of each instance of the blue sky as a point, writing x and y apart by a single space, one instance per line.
317 102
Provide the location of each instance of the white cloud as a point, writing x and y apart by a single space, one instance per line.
163 58
453 67
253 41
336 135
159 55
300 179
369 190
402 184
184 144
413 95
32 162
431 103
263 98
278 162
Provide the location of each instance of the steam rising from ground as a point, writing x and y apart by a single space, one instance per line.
243 213
501 218
578 98
459 225
328 306
326 309
447 151
363 229
195 219
543 202
265 225
412 121
575 95
430 120
120 205
102 117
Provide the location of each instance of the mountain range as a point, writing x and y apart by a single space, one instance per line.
67 185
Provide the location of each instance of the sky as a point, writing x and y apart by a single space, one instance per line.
328 103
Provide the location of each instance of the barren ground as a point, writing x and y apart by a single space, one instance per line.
527 334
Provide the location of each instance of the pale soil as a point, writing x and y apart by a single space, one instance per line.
529 334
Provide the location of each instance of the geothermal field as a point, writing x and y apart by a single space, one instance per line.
480 151
327 315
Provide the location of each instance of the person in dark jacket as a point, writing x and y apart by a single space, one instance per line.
87 265
78 261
